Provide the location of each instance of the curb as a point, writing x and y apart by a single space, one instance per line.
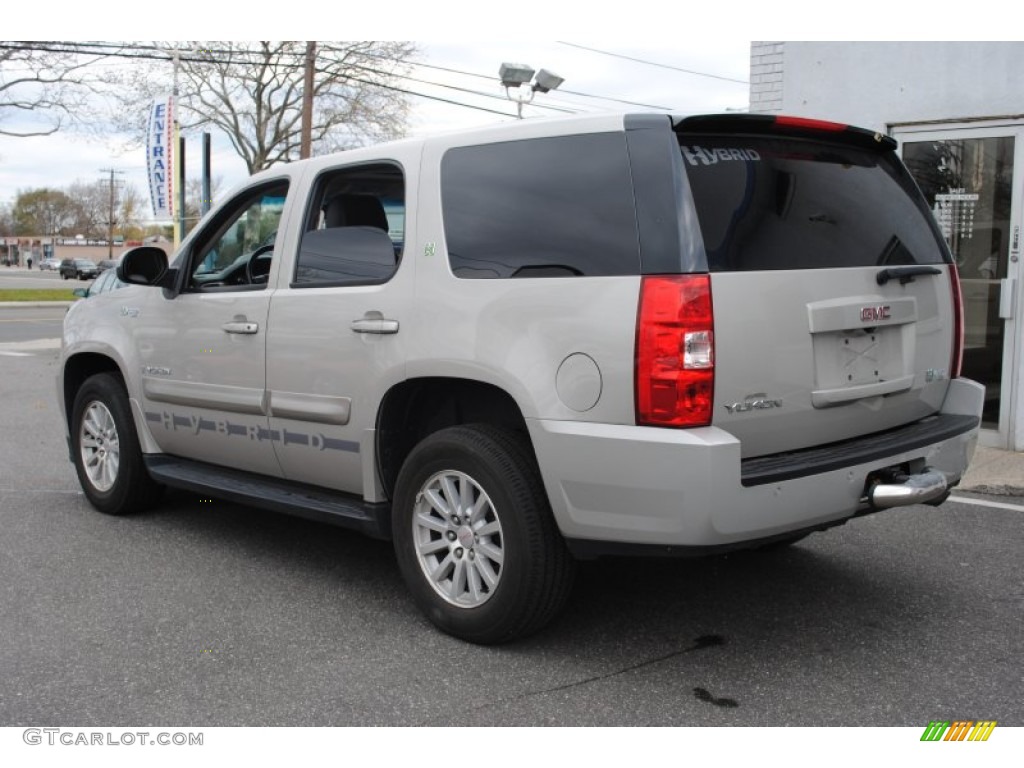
987 489
33 304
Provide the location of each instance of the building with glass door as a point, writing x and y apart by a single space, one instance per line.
956 110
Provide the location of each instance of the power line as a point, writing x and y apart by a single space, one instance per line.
653 63
366 54
208 60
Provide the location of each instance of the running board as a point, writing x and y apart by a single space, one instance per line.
312 503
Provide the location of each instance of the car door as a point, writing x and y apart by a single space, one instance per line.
339 323
203 347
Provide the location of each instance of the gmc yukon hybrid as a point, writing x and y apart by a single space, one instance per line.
510 348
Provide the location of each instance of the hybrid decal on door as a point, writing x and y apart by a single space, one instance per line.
197 424
699 155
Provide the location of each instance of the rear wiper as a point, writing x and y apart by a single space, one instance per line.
905 274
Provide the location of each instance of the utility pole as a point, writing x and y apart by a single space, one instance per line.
306 145
110 216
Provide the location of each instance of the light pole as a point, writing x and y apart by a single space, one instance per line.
519 75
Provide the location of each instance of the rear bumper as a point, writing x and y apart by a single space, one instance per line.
620 485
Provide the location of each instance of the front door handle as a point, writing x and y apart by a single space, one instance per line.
241 325
374 322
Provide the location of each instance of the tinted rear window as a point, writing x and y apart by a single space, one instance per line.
766 203
548 207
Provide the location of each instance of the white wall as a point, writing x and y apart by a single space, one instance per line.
874 85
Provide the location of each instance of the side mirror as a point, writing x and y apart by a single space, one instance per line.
82 293
145 265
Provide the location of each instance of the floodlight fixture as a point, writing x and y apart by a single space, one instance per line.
515 75
518 75
547 81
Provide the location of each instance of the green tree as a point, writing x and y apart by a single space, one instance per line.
43 212
132 211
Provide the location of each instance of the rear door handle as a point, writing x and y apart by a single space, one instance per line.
241 325
374 322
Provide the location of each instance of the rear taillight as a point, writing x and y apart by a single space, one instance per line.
957 361
675 352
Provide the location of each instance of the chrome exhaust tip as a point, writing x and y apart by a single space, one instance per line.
904 490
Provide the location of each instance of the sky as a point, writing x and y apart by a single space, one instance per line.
65 157
711 42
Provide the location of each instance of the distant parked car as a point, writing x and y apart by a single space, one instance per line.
105 264
51 264
83 269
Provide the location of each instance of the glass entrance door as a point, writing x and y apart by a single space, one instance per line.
968 177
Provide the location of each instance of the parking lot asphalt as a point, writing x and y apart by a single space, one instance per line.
208 613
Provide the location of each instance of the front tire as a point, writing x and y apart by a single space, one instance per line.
475 538
106 450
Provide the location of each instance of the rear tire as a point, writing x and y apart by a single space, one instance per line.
475 538
105 449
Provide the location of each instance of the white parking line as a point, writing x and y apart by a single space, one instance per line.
40 490
983 503
26 348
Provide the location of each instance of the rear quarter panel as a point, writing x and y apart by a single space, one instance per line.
517 333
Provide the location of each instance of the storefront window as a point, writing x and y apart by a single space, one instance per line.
967 183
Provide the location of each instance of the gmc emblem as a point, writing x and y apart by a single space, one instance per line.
874 314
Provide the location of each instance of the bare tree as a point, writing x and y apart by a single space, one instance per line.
91 207
194 197
6 221
44 82
253 92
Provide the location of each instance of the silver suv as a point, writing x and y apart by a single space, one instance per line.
511 348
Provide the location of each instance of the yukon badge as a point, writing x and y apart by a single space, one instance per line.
758 402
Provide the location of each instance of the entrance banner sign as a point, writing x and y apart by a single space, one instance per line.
160 157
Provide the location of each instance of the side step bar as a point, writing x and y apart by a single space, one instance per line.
319 504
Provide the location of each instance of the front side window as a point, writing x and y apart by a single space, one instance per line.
355 227
239 246
549 207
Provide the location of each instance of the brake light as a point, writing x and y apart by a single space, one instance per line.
804 122
957 361
675 352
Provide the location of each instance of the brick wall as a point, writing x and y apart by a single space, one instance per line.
766 70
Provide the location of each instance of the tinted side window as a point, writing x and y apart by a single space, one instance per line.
766 203
355 227
552 207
